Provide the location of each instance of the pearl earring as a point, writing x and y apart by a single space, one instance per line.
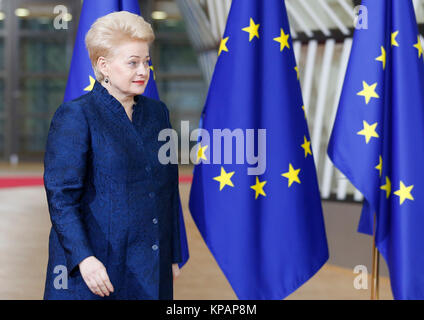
107 80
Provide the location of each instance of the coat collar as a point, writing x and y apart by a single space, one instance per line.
103 97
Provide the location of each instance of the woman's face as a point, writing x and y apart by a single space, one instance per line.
128 69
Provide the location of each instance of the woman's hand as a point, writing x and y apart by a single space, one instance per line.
175 271
95 276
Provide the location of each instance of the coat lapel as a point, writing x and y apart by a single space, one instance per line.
105 99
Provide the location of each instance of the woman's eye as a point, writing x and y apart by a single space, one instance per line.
133 63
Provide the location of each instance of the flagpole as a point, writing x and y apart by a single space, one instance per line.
375 267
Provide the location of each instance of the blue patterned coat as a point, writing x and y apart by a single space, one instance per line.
109 196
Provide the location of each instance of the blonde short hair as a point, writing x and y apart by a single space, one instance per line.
112 29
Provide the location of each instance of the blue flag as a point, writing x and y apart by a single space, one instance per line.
81 75
377 139
260 215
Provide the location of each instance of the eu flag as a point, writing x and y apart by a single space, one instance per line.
81 75
258 206
377 139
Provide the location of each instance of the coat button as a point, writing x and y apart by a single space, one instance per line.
155 247
155 221
148 168
151 194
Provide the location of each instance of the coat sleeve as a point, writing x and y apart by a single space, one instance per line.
65 163
177 211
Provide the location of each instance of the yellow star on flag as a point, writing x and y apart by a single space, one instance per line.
223 46
297 71
258 187
382 58
304 111
283 39
252 29
224 179
379 167
404 193
394 41
306 146
153 70
91 85
387 187
368 92
419 47
292 175
368 131
201 153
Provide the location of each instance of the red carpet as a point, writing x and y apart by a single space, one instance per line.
22 181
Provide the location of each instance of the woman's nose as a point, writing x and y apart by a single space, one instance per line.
144 69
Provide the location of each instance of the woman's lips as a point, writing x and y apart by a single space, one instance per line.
139 82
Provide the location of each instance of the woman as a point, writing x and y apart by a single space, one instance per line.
113 207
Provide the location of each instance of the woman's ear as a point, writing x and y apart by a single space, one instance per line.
102 65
